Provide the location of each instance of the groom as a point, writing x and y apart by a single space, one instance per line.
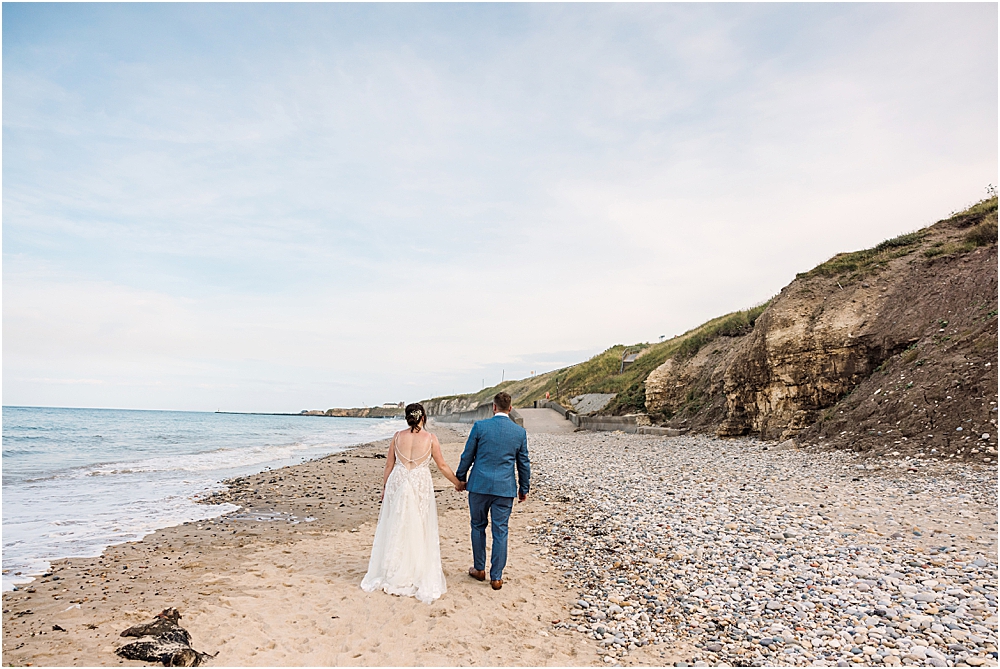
497 446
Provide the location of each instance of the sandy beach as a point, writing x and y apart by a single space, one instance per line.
275 593
277 582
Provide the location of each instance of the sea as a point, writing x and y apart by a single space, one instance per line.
78 480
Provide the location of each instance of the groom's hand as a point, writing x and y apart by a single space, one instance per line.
460 486
522 496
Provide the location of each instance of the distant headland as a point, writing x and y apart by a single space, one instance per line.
388 410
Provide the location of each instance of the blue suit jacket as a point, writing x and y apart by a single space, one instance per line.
497 446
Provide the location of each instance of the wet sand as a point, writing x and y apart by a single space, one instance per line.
278 582
279 592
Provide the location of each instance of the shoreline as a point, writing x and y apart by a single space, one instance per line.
266 586
74 507
208 497
303 415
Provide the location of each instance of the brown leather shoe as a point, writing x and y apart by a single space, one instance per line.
478 574
496 585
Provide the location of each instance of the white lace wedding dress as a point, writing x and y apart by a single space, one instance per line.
406 553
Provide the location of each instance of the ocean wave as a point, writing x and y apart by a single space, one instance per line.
103 477
218 459
13 452
223 458
28 556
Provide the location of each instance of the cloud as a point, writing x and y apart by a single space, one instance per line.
282 207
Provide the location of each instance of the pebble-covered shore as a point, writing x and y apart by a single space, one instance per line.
762 556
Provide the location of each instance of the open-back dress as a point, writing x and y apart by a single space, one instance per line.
406 553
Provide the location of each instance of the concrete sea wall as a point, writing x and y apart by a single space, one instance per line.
482 412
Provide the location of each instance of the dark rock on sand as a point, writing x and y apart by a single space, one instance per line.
162 640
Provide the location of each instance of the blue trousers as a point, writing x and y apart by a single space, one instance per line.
481 508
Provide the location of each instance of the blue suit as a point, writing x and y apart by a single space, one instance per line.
496 447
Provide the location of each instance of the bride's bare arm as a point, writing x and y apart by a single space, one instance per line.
390 462
442 465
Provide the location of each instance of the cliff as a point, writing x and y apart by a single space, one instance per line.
365 412
442 406
891 348
888 348
829 331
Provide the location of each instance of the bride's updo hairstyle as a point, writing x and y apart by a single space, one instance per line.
415 414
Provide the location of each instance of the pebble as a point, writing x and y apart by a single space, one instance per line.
684 540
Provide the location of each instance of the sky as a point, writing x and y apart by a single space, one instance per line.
278 207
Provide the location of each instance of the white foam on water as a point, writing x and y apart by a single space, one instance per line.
68 493
223 458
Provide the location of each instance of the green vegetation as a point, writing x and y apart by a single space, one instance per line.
735 324
692 402
982 233
948 249
985 233
600 374
978 210
487 393
843 263
982 216
632 399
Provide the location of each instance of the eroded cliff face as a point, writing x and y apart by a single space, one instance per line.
450 405
365 412
923 308
816 342
690 393
940 392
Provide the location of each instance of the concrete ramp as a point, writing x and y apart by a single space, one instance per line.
545 421
591 402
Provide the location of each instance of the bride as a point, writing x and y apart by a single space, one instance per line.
406 554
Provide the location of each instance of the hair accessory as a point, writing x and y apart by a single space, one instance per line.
417 413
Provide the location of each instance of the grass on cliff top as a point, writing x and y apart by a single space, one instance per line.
842 263
981 221
981 209
982 217
600 373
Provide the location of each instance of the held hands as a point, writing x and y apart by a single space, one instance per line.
460 486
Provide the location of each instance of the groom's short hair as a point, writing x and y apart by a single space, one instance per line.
502 400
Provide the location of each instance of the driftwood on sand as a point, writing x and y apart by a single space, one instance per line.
162 640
